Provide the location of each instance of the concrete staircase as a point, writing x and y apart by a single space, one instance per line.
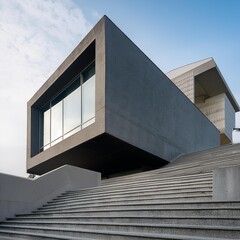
173 202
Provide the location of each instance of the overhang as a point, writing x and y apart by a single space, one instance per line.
208 79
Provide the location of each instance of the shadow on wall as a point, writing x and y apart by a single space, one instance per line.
21 195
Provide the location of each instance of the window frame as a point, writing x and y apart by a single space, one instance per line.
60 96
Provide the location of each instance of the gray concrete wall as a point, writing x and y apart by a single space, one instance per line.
229 117
72 65
220 112
20 195
145 109
226 184
214 109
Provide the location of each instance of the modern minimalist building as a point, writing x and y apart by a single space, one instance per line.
108 108
203 83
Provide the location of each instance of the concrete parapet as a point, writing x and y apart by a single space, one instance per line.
226 184
20 195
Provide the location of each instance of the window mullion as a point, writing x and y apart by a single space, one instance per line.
81 83
62 118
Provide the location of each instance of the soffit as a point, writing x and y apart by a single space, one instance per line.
208 79
211 83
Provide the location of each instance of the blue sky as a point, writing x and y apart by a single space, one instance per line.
37 35
176 32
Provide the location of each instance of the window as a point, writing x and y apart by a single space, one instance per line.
46 130
88 97
71 110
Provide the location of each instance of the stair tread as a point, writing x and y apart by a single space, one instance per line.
148 235
110 232
53 236
181 190
192 226
133 216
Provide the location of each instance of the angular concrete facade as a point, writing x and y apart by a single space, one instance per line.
203 83
142 120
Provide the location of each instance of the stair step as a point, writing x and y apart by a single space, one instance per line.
153 185
151 211
153 198
23 235
110 236
137 192
185 167
191 220
103 230
173 202
171 186
106 206
153 176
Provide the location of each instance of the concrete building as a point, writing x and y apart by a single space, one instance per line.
108 108
203 83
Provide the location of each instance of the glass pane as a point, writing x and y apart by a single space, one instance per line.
86 124
46 127
46 147
88 99
72 110
56 141
89 72
72 132
56 121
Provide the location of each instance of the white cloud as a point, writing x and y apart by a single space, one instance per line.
35 37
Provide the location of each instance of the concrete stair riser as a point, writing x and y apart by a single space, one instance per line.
107 200
112 236
174 202
176 169
104 230
206 220
18 235
161 185
105 206
165 174
158 181
142 192
139 211
151 179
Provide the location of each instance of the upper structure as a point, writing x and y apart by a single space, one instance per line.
109 108
203 83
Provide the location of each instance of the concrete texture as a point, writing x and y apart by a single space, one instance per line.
140 113
208 75
226 184
92 47
203 83
220 112
145 109
20 195
174 202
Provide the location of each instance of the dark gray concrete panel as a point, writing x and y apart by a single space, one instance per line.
104 154
145 109
135 103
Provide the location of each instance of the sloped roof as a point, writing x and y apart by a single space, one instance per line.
181 70
207 74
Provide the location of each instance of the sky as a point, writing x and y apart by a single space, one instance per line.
37 35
